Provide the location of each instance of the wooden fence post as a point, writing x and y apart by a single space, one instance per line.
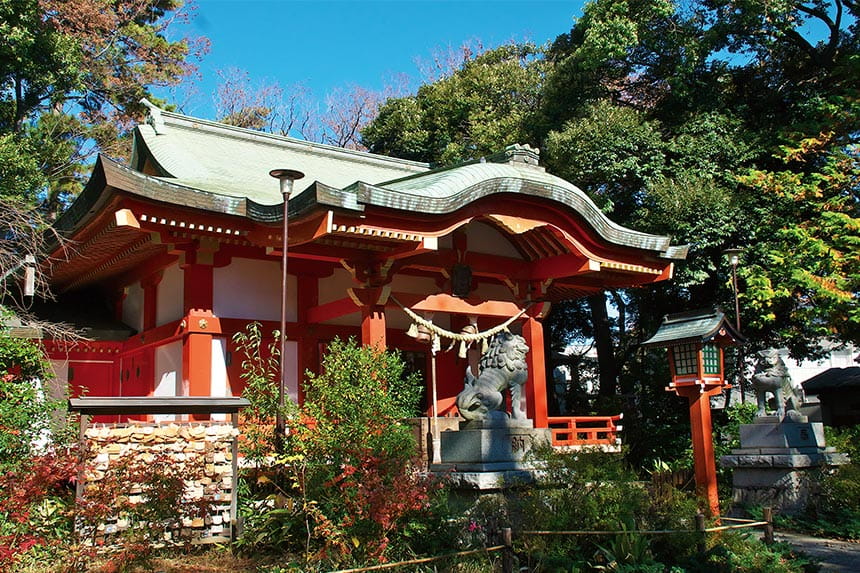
767 514
700 527
508 551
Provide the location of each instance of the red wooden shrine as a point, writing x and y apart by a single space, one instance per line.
171 254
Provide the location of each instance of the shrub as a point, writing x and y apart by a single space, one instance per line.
740 553
28 416
261 374
35 505
345 485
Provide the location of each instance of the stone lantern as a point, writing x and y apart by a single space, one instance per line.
695 341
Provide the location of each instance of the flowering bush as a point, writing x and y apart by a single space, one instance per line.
345 485
35 502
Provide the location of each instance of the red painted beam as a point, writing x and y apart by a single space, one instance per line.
451 304
332 310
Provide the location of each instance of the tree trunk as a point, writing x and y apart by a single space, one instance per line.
603 344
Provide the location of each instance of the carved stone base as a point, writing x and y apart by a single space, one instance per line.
776 463
491 444
491 455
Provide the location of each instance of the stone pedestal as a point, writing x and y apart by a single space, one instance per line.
491 454
776 462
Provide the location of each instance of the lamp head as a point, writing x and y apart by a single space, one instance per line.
286 178
734 255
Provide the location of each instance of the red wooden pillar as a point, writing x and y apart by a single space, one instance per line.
197 287
373 326
150 299
535 389
372 302
705 466
201 326
307 295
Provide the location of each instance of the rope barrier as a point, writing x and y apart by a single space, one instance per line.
422 560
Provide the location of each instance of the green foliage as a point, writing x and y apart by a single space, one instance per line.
600 493
28 415
20 173
344 489
627 551
739 553
803 276
35 505
261 373
610 151
833 510
72 74
479 109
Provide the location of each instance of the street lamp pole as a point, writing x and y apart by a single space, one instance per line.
734 259
286 177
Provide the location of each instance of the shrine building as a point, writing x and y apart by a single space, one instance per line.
170 255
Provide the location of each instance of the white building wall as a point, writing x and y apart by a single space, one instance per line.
334 288
804 370
220 386
168 374
170 296
251 289
395 317
132 307
168 370
58 387
292 360
482 238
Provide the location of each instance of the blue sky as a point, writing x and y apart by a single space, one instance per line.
327 44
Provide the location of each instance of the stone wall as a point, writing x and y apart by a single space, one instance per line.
212 445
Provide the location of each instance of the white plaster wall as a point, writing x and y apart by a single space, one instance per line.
132 307
802 371
251 289
394 316
219 387
168 370
482 238
168 375
334 287
489 291
170 296
415 285
58 387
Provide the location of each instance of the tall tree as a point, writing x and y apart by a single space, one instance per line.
486 104
72 75
71 78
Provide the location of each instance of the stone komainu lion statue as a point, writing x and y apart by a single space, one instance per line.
771 375
502 366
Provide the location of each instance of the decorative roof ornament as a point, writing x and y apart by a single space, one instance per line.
154 118
517 153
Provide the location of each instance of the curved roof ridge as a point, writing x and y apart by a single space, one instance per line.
444 190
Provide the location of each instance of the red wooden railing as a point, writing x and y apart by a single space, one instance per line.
577 431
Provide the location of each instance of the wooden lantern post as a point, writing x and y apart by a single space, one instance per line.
695 341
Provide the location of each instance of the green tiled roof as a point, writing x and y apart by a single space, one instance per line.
692 326
225 169
446 190
235 162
